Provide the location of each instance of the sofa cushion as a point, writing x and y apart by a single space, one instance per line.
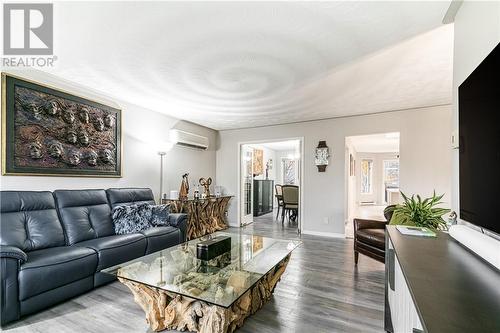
374 237
114 250
160 238
51 268
29 220
129 196
131 219
159 215
85 214
54 296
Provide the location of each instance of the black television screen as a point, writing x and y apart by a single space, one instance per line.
479 145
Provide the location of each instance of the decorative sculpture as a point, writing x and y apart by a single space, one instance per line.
321 155
55 149
99 124
109 121
35 149
37 113
92 158
52 107
184 190
69 116
51 132
269 166
84 115
83 137
71 136
206 185
74 157
107 156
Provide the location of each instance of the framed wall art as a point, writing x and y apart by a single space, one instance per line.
49 132
258 161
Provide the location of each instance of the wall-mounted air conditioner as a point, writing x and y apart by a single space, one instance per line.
190 140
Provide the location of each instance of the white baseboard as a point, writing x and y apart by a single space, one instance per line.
323 234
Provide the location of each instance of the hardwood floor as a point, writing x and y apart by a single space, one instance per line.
321 291
268 225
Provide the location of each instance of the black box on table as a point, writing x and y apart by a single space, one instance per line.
209 249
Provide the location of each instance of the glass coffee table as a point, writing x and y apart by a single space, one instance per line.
178 291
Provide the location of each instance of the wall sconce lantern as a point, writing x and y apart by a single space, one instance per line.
321 156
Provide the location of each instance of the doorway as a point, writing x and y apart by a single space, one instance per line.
246 198
265 166
372 176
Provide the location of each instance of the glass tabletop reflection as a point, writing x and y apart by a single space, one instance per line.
220 281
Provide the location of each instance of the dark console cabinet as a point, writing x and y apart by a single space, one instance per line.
262 197
435 285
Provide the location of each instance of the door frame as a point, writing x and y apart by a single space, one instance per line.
358 169
301 140
248 218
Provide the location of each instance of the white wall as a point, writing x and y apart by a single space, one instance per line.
196 162
424 152
477 32
378 193
142 128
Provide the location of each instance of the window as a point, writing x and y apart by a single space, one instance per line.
289 171
391 173
391 181
366 176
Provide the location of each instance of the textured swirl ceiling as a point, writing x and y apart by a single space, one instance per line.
241 64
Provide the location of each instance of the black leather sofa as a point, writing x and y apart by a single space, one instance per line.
53 246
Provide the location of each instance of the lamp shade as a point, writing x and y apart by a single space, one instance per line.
164 147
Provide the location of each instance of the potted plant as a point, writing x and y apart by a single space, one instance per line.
421 213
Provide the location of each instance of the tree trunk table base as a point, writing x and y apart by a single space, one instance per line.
168 310
205 216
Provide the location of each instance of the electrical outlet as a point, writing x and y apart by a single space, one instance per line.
325 220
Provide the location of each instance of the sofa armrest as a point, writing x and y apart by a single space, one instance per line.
10 259
368 224
13 252
179 220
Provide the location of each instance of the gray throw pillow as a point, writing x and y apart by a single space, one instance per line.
159 215
132 219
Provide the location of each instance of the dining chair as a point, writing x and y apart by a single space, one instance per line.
279 198
290 201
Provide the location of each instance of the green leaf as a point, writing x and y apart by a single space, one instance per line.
420 212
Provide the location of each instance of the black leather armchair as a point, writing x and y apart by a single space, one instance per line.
369 237
10 259
53 246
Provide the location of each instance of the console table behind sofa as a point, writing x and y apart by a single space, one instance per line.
205 216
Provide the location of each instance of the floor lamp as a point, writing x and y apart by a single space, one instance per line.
164 149
162 154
